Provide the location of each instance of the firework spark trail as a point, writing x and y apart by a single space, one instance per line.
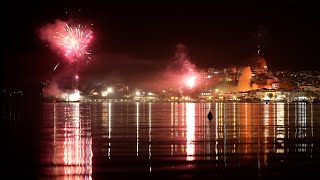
56 67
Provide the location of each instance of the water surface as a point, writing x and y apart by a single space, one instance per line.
174 140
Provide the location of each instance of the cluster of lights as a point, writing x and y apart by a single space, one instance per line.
106 92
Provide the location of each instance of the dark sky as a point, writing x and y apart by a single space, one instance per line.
139 37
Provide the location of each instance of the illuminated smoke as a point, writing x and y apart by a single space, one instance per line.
47 32
254 86
181 73
61 86
261 63
183 61
181 53
52 90
244 83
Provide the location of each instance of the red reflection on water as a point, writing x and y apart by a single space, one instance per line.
77 147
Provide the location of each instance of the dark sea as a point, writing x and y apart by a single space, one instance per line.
142 140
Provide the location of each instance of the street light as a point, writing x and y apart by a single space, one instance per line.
137 93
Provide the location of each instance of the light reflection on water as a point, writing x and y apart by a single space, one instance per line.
190 118
72 142
104 138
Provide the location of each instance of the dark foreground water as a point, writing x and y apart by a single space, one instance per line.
167 140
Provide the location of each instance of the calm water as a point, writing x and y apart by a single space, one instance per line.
174 140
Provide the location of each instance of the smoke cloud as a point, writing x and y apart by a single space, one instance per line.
261 63
52 90
62 82
244 83
182 60
152 74
179 70
48 31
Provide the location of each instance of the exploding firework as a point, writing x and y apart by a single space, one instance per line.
190 81
73 41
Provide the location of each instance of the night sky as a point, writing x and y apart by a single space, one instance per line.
134 39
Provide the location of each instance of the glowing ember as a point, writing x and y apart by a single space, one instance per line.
190 81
